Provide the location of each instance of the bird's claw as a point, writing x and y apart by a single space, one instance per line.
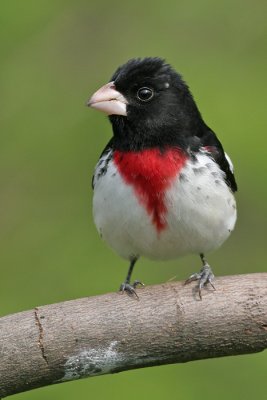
137 283
130 289
204 277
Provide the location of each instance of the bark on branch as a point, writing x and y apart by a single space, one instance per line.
113 332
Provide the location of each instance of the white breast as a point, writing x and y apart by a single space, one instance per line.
201 213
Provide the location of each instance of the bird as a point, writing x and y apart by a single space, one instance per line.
163 187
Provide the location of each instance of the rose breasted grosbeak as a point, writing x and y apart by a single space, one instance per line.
163 186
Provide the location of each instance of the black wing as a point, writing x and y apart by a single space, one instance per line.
209 142
102 165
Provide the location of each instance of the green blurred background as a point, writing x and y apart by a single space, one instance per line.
54 55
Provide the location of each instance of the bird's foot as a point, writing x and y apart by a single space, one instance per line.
204 277
130 289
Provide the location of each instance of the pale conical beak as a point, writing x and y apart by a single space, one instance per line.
108 100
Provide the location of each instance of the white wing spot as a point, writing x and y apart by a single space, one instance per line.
231 165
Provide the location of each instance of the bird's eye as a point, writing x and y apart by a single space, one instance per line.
145 94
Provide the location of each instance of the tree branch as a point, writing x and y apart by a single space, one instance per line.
113 332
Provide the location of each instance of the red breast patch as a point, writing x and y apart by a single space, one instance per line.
151 172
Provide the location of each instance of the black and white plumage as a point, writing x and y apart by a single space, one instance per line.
163 186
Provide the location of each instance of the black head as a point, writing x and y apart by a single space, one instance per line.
157 107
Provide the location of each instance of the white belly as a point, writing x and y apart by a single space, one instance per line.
201 213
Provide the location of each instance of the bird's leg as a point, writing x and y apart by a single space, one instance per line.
204 276
126 286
